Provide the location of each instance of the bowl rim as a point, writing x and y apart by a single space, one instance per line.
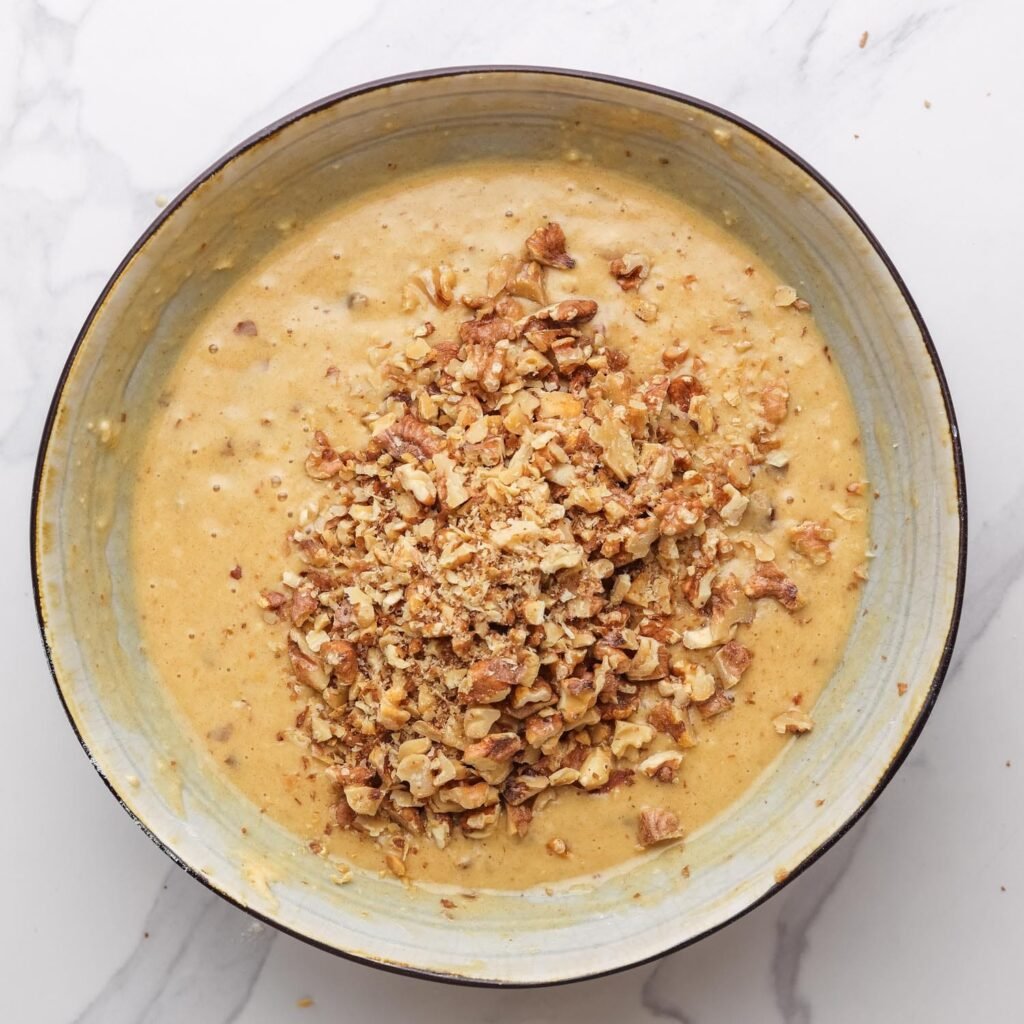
430 74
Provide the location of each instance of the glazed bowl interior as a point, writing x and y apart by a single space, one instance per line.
217 231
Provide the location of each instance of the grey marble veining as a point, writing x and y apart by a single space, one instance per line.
198 958
106 105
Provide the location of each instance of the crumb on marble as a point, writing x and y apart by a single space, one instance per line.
901 688
863 39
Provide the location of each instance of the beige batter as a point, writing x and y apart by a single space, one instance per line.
221 478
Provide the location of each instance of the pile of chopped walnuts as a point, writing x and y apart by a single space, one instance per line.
527 580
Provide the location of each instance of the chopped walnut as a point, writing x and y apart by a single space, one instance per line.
596 768
437 283
498 748
656 825
323 461
812 540
547 245
731 660
666 717
519 818
663 766
364 799
775 401
409 436
646 311
717 703
630 270
682 389
340 657
794 720
417 483
769 581
491 680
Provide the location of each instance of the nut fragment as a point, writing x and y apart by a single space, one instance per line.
775 401
547 245
596 768
478 721
812 540
630 270
519 817
662 766
630 736
415 771
656 825
417 483
646 311
471 796
540 729
492 680
619 456
498 748
409 436
437 283
769 581
731 660
340 656
364 799
391 714
785 295
794 720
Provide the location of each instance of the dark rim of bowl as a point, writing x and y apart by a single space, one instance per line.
383 83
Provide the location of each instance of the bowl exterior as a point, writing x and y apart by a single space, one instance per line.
216 229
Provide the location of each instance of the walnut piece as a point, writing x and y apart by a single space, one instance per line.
794 720
731 660
492 680
630 270
775 401
547 245
812 540
769 581
437 283
409 436
656 825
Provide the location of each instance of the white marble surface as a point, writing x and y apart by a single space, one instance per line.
107 104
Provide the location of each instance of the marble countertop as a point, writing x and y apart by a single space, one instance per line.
108 105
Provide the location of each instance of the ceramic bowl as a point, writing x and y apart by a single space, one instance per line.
225 221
